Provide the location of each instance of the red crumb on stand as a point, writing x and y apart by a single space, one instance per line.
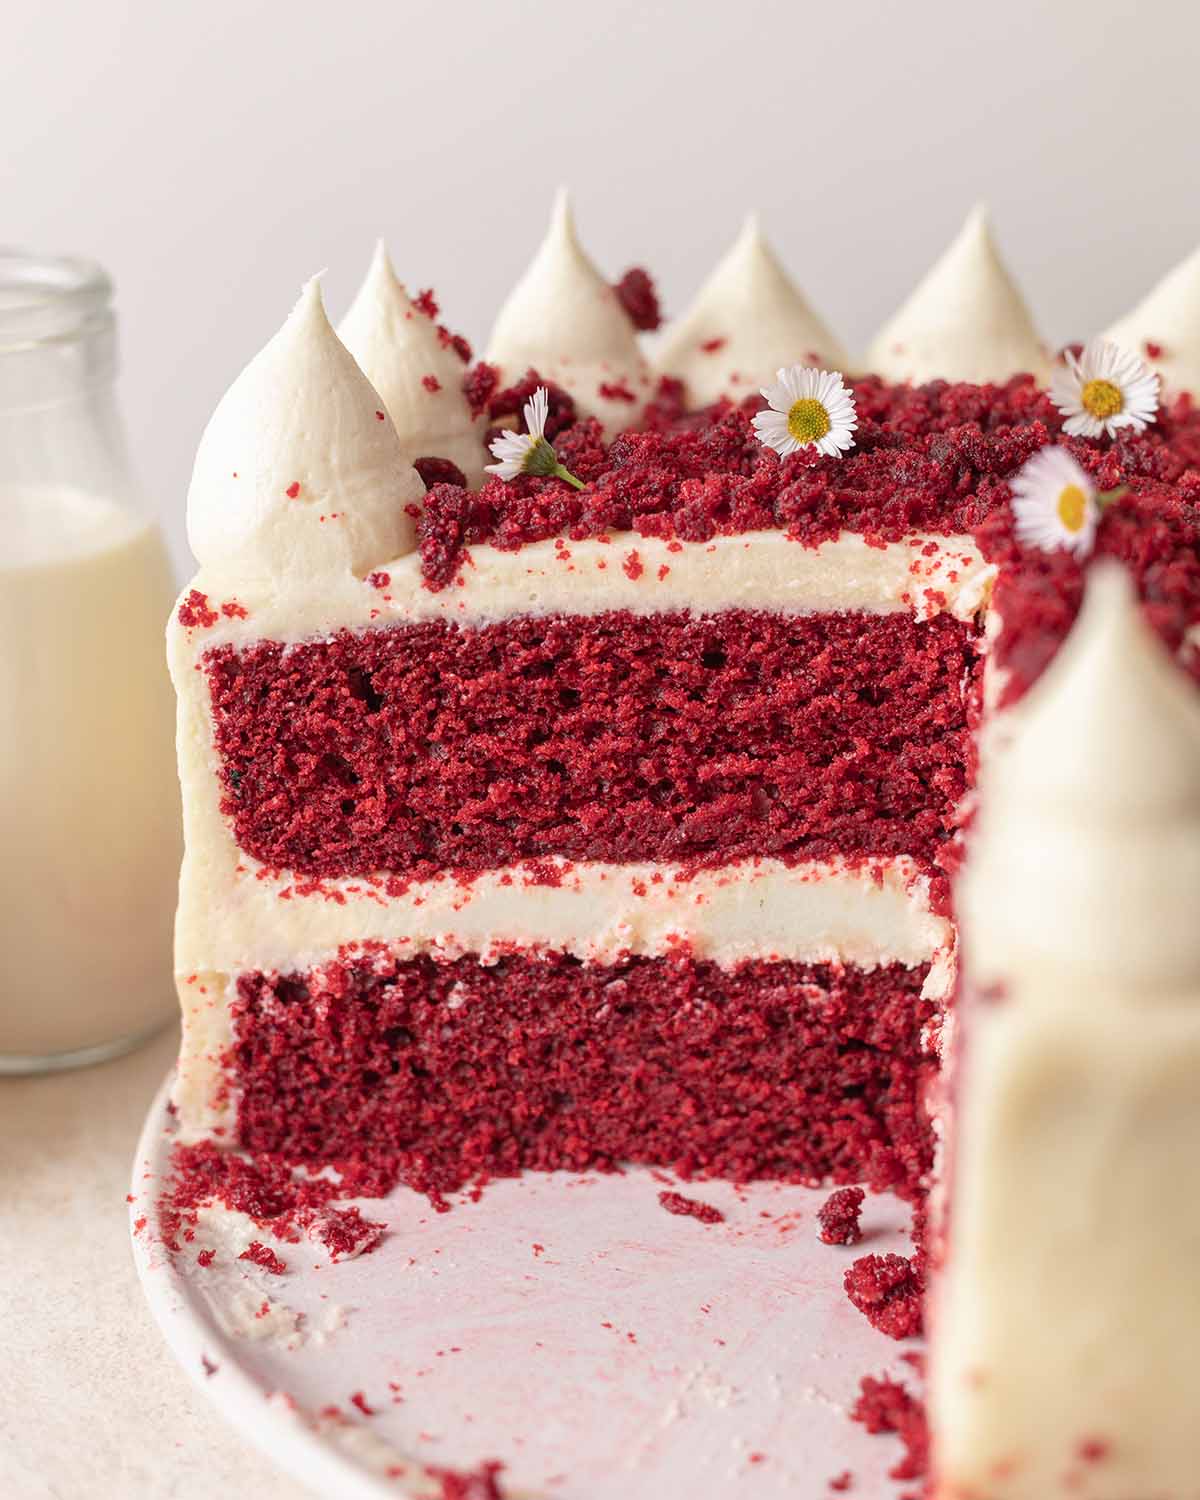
482 1483
842 1483
359 1399
889 1291
838 1217
637 295
884 1405
692 1208
267 1191
262 1255
398 1068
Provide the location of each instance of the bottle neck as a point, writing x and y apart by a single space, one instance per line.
60 425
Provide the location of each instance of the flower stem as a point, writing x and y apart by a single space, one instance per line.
566 474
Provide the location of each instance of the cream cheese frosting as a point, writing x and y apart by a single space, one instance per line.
300 472
966 320
1164 328
412 366
564 320
748 319
1071 1260
924 574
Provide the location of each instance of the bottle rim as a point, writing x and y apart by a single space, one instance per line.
47 299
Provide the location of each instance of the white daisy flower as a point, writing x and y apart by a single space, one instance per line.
529 452
809 408
1055 503
1103 390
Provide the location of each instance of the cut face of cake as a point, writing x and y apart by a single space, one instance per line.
609 813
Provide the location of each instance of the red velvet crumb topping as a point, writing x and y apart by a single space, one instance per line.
482 1483
439 471
637 295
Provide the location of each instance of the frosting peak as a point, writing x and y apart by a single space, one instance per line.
748 319
411 364
1087 855
565 321
966 320
1164 327
299 468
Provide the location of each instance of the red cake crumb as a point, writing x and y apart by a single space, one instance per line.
209 1368
379 580
206 1257
710 346
293 489
1094 1450
638 297
842 1483
889 1290
624 737
508 406
265 1189
692 1208
482 1483
479 386
358 1398
439 471
838 1217
431 383
399 1070
262 1255
195 611
615 390
232 610
1153 350
884 1405
632 566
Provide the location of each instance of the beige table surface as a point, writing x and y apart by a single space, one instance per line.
91 1402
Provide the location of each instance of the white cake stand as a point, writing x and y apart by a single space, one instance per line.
599 1346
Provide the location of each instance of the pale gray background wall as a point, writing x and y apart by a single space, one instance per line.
213 155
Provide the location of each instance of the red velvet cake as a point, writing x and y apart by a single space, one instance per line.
607 811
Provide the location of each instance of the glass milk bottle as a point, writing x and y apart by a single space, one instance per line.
89 806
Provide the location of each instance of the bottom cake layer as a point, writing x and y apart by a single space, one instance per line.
441 1073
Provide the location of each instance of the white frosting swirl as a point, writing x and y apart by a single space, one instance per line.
564 320
1087 856
966 320
1167 320
418 375
748 320
300 470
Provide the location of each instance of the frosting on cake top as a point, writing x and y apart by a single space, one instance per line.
748 319
300 471
966 320
1165 326
417 367
564 320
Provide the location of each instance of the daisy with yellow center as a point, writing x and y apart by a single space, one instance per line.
531 451
1104 389
807 408
1055 503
